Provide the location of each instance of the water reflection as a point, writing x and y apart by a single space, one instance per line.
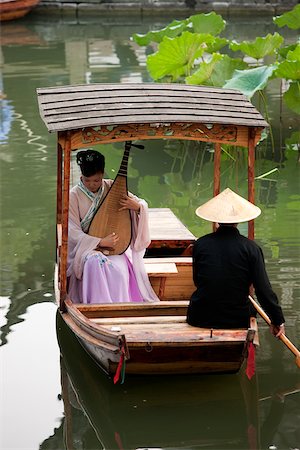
50 51
216 412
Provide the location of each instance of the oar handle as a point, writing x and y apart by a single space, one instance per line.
283 337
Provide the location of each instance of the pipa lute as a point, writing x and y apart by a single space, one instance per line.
108 219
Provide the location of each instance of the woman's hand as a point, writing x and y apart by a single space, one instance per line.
129 203
108 242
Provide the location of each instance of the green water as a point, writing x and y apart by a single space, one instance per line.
186 412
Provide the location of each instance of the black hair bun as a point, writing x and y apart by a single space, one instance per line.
90 162
88 156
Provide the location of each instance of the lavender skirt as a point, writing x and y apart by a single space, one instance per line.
105 280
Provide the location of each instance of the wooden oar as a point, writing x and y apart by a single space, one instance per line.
283 337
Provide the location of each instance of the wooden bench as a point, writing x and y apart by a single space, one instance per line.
171 277
160 271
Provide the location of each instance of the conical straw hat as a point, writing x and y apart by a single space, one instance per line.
228 207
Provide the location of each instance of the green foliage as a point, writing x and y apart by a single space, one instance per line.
291 19
200 23
189 52
174 29
292 97
290 70
217 71
207 23
261 47
251 80
293 142
205 70
294 54
175 57
216 44
283 51
290 67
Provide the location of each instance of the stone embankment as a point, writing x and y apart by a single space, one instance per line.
165 7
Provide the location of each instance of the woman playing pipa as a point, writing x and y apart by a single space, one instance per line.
95 269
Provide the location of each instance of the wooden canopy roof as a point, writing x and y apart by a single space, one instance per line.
81 107
86 115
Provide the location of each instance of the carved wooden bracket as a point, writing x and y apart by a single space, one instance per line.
227 134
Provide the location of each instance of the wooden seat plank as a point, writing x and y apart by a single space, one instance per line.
178 260
140 320
176 332
161 269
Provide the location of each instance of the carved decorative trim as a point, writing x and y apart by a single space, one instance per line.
236 135
201 132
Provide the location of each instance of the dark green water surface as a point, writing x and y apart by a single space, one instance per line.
216 412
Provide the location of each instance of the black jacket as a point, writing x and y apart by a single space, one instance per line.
225 265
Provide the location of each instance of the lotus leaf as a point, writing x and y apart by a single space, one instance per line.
294 55
216 44
207 23
224 70
217 71
291 19
175 57
205 70
290 70
283 51
199 23
259 48
292 97
251 80
174 29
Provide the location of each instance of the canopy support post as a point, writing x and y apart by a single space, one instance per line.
217 166
251 175
65 220
59 185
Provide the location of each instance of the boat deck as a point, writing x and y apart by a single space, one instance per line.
168 234
157 329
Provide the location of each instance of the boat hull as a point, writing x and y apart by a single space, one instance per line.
172 346
15 9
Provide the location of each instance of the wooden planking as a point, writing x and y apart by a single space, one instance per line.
129 88
180 367
112 99
184 108
178 260
147 106
14 9
142 319
176 332
134 309
144 117
164 224
161 269
176 287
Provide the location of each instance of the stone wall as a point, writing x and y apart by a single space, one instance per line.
166 7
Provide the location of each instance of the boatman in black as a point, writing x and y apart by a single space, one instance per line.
225 265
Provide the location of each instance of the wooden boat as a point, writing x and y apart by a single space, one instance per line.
114 417
15 9
153 338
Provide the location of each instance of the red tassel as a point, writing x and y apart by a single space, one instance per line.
250 369
120 365
118 440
